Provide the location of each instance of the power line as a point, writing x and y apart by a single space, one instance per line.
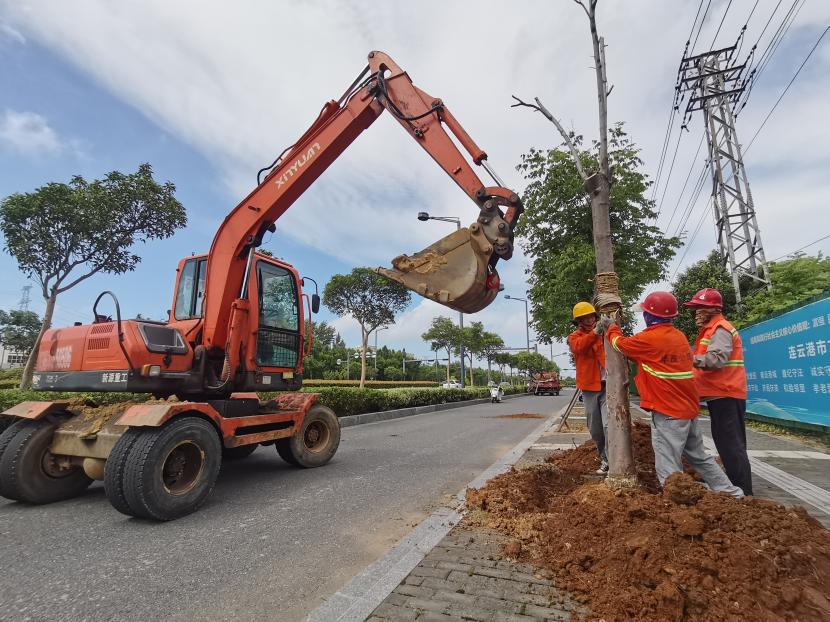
699 28
668 177
784 92
803 247
717 32
769 51
688 243
673 111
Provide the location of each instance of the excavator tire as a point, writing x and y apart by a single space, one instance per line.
114 471
28 471
170 471
238 453
5 437
316 442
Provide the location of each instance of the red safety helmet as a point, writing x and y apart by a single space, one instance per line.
661 304
707 297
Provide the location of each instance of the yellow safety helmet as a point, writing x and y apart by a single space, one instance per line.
581 309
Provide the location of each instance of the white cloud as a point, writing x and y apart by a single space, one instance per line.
240 82
28 133
7 33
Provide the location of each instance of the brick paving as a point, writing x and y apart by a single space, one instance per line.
466 577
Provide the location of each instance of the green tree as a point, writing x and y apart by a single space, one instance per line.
491 345
793 281
370 299
708 272
443 334
557 236
534 363
473 336
62 234
19 330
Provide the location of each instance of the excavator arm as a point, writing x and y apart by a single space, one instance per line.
457 271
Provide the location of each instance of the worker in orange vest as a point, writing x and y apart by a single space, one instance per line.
721 381
665 380
589 359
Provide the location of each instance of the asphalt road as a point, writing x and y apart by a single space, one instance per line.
272 542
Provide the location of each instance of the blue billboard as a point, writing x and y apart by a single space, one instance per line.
788 365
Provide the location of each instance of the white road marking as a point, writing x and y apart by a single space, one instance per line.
804 490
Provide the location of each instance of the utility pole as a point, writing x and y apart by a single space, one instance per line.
714 80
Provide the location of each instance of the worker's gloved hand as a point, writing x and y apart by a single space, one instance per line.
603 323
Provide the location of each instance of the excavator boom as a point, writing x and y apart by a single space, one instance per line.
457 271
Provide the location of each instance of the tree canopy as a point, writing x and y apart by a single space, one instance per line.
19 330
556 231
794 281
62 234
369 298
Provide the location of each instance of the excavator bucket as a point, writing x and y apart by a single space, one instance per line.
455 271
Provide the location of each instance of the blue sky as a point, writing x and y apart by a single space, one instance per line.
209 92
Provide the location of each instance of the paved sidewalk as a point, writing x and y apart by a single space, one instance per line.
466 577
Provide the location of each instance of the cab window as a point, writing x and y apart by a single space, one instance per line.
279 320
191 290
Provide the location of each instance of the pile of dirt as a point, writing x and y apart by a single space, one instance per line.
640 554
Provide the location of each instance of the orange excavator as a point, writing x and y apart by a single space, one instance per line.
238 325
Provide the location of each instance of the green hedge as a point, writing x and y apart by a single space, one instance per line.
370 384
342 400
347 401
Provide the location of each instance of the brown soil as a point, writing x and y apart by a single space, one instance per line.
641 554
518 416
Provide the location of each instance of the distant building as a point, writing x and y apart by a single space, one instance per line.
11 358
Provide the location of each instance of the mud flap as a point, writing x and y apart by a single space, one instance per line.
455 271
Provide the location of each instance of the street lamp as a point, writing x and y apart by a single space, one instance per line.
423 217
376 346
527 321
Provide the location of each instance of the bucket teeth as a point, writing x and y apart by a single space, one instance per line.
453 271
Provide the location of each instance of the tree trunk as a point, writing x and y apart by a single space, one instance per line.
472 381
29 368
365 342
449 359
618 443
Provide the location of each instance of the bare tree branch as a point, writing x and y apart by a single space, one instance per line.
579 2
540 107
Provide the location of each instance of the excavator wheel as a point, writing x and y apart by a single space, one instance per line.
170 471
114 471
28 470
315 443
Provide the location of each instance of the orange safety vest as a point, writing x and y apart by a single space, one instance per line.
664 379
588 353
729 380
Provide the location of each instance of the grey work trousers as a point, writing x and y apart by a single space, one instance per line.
674 439
596 418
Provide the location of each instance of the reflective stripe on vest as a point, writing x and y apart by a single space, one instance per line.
669 375
614 344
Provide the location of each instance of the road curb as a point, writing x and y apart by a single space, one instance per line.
386 415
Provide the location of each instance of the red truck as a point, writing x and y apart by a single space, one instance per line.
546 383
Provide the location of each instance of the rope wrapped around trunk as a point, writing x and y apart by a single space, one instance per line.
607 298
